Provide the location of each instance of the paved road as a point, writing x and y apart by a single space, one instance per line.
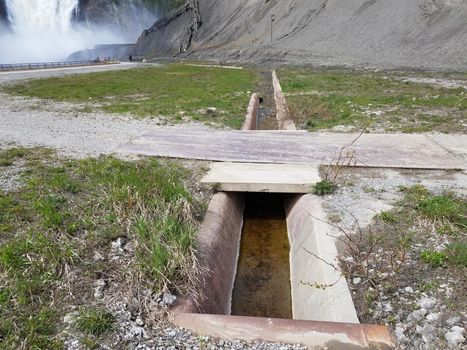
6 77
374 150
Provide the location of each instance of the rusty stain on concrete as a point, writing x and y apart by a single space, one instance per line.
313 334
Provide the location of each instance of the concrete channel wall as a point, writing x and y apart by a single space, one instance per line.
314 335
284 120
251 118
319 291
218 251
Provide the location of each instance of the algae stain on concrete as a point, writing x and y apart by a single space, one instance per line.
262 285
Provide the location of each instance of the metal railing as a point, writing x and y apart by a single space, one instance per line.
44 65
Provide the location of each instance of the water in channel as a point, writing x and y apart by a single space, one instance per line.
262 285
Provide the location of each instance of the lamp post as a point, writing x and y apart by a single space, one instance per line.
273 18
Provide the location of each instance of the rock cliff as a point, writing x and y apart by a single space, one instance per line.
3 14
128 17
376 33
172 34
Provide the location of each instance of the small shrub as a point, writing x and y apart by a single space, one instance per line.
387 217
94 321
433 258
416 193
324 187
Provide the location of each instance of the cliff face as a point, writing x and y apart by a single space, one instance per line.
380 33
172 34
3 14
128 17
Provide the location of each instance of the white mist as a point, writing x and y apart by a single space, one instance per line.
42 30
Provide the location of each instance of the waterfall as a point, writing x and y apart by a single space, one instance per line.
47 30
29 16
42 30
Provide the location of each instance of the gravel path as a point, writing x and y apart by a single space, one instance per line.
32 122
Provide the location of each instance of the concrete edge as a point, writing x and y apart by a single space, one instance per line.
251 118
313 334
264 188
218 241
283 114
319 290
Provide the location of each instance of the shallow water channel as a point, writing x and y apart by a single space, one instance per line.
262 284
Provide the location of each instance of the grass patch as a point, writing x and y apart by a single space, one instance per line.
387 217
324 188
433 258
68 210
322 98
170 91
440 207
408 253
457 253
446 209
9 156
95 322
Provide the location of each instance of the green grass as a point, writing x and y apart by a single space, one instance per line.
457 253
387 217
441 207
67 210
165 91
95 322
446 209
320 99
324 188
433 258
9 156
447 213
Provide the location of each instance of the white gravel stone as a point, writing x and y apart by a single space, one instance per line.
453 320
399 332
356 281
136 332
417 315
428 333
71 317
455 336
98 256
168 299
433 317
427 303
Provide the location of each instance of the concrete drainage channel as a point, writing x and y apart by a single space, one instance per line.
269 259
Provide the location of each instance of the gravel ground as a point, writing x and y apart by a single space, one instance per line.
139 315
417 302
445 83
10 177
60 125
367 192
